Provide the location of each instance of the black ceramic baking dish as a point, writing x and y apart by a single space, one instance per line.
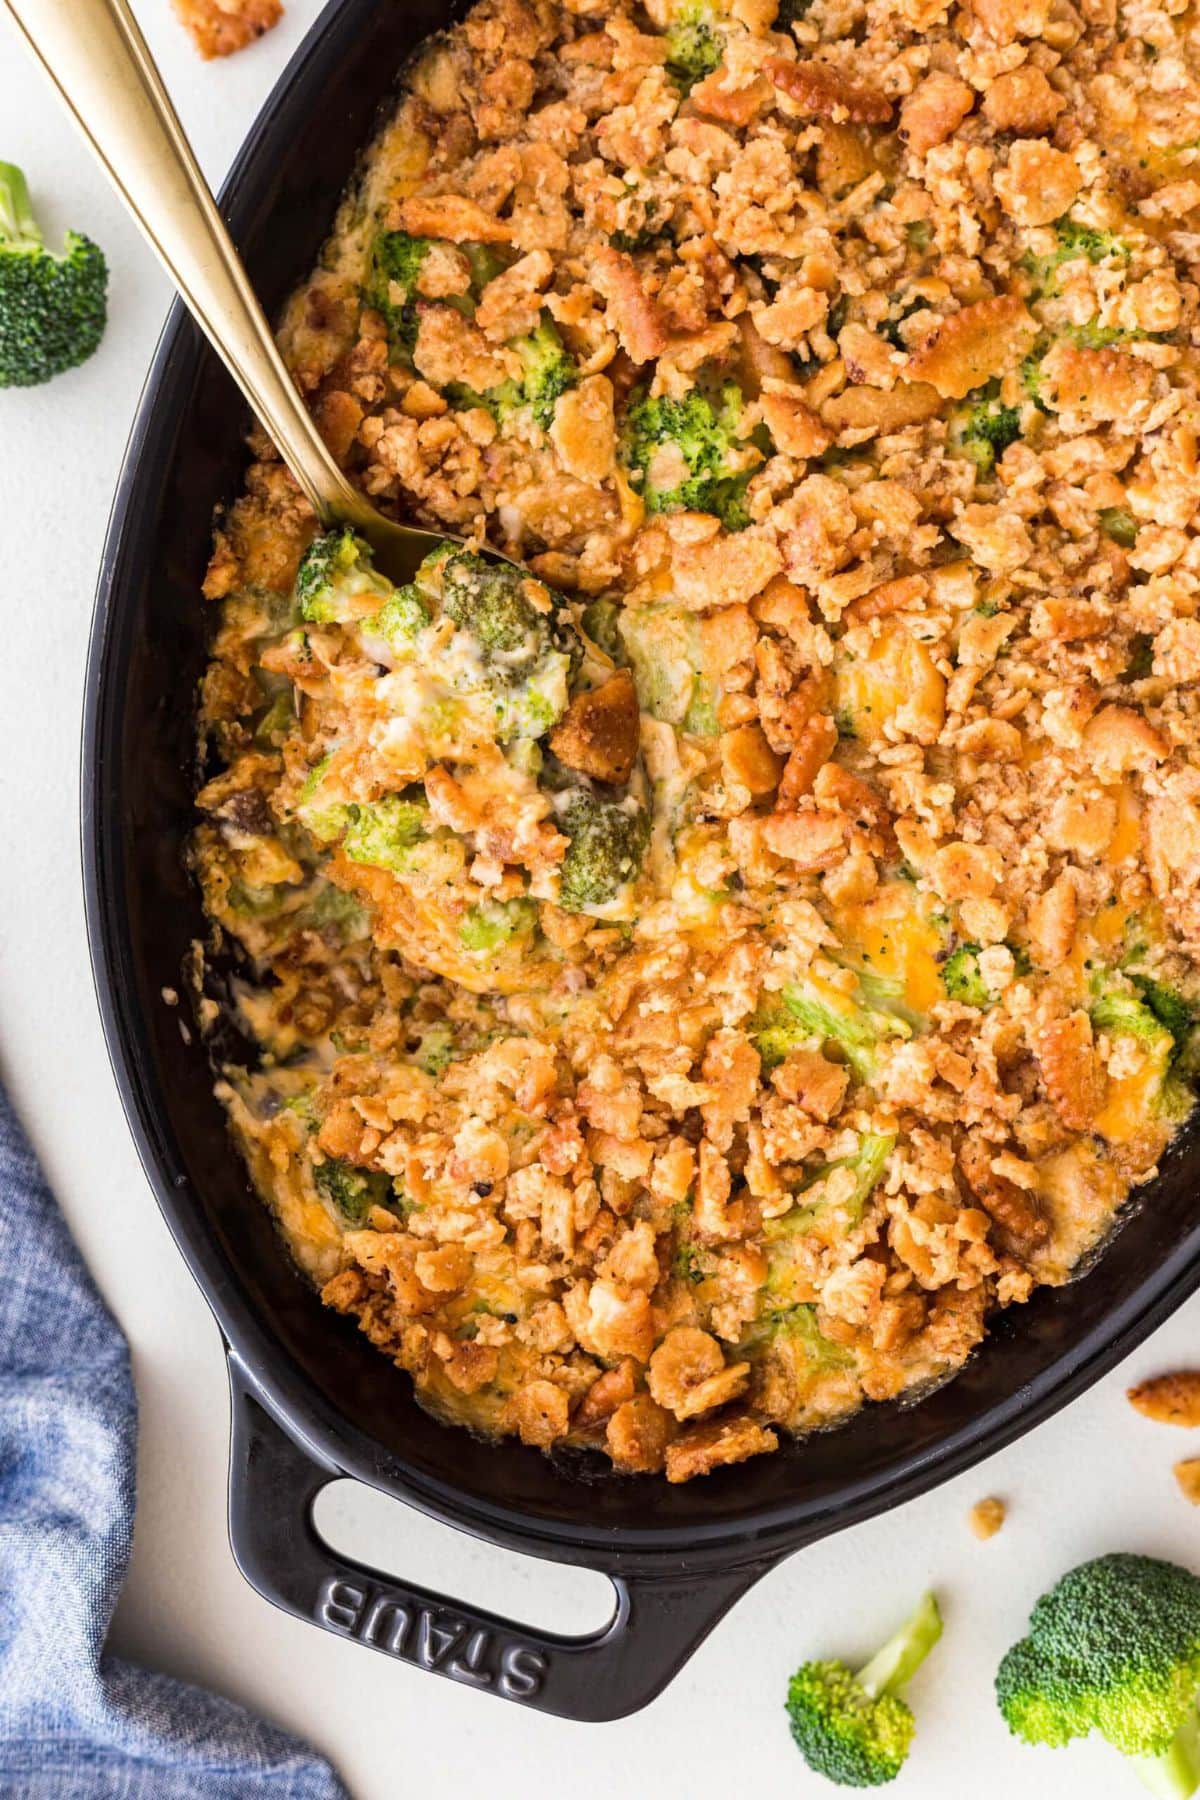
311 1399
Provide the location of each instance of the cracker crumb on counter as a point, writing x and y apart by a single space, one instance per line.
1172 1399
1187 1475
219 27
986 1517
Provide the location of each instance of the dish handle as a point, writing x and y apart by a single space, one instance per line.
657 1623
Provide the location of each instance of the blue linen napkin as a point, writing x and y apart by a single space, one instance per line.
75 1722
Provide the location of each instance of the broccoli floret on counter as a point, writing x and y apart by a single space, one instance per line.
684 455
385 833
694 48
353 1191
1119 524
854 1728
335 573
962 979
986 428
53 309
802 1013
494 923
396 260
607 842
1114 1647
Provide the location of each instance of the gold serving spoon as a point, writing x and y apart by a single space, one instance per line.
96 57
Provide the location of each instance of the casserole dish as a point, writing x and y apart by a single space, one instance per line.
311 1399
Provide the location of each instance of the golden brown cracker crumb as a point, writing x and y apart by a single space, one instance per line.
1187 1474
1172 1399
219 27
986 1517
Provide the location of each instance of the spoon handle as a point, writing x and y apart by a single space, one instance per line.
97 58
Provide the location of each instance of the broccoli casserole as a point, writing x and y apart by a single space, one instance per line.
700 975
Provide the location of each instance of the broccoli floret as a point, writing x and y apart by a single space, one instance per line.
353 1191
867 1164
645 239
666 649
900 310
494 923
602 623
1032 377
276 721
1178 1015
797 1326
791 1334
399 621
1114 1647
547 372
527 654
1088 240
1141 657
1165 1024
855 1729
335 573
386 832
1074 243
487 261
322 815
684 455
802 1013
435 1050
607 841
694 49
488 599
1093 336
1124 1015
1119 524
986 428
962 980
333 906
53 309
396 260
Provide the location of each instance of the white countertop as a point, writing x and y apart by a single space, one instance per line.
1095 1478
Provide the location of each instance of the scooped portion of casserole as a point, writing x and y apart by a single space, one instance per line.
699 975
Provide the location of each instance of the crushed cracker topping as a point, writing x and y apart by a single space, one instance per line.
698 984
